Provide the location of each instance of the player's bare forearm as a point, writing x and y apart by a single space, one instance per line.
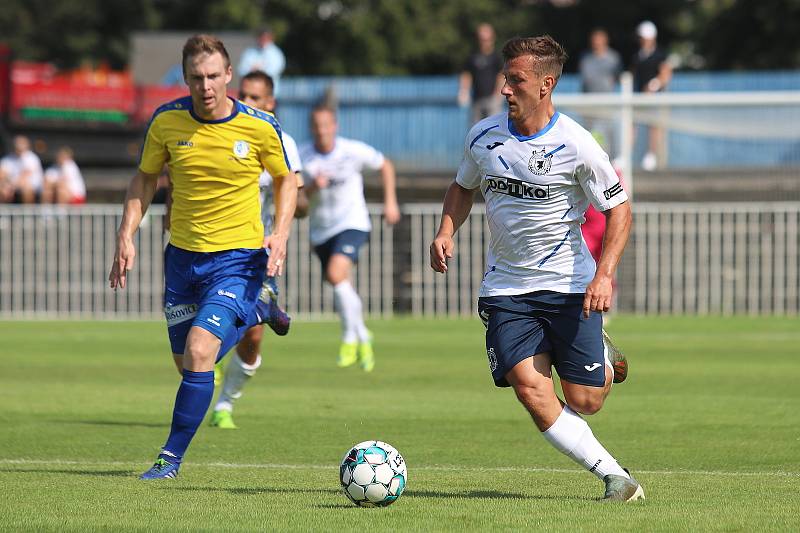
456 208
285 203
391 210
618 228
301 209
140 193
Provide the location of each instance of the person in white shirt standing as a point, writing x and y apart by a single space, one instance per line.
63 182
340 223
21 174
542 295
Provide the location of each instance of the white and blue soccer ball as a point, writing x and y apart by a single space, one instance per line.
373 474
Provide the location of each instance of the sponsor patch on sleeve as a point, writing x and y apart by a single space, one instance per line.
612 191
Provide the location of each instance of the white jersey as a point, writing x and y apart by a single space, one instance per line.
265 180
339 206
537 189
71 175
14 165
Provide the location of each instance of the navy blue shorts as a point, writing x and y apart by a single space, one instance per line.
521 326
346 243
216 291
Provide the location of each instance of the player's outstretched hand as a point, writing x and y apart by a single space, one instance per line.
391 212
441 251
276 244
124 257
598 296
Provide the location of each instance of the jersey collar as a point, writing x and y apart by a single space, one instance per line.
233 114
539 133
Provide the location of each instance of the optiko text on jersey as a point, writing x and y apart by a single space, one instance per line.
517 188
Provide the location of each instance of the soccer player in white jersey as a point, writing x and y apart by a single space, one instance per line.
256 89
340 225
542 296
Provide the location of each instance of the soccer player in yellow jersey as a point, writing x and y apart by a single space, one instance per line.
214 265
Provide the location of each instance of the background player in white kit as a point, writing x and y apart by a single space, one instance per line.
256 89
340 223
542 297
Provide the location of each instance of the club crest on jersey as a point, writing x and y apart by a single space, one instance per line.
540 162
241 148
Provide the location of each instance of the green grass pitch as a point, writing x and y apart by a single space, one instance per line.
708 421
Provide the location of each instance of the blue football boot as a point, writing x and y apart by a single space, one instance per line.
162 469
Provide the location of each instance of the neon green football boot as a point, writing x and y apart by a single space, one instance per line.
366 356
347 354
219 374
223 420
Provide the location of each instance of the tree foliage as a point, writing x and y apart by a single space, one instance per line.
406 36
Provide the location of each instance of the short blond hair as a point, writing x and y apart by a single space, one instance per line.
204 44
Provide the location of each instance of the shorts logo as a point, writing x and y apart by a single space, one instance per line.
226 293
484 314
517 188
241 149
187 144
492 359
593 367
540 162
349 249
175 314
214 319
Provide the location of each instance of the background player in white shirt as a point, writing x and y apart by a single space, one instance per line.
256 89
21 173
340 222
542 296
63 182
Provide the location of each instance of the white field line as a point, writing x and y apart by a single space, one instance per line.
429 468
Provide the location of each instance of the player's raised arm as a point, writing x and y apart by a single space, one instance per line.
618 228
456 208
140 193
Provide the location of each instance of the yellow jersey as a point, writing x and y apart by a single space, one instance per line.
214 166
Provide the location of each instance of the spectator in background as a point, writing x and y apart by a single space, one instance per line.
651 74
63 182
266 57
481 80
20 174
599 68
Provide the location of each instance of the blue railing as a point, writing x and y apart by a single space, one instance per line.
417 122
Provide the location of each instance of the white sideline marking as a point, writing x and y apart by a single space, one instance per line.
433 468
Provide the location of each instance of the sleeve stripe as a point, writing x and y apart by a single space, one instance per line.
481 134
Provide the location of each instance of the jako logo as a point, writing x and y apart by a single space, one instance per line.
188 144
175 314
226 293
517 188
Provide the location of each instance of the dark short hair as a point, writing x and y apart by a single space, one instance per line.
548 56
204 44
260 75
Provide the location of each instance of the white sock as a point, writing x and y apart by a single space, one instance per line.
237 373
349 305
572 436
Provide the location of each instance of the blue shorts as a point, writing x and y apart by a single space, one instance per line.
346 243
521 326
216 291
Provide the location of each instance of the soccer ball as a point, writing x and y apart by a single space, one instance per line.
373 474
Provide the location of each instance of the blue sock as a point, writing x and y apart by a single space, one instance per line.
191 403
